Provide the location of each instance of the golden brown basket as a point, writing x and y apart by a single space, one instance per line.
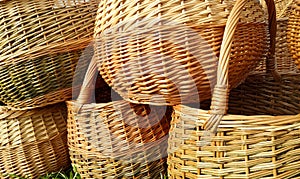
40 44
258 138
166 52
294 32
117 139
33 142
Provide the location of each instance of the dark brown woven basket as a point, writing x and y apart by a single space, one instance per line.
40 44
166 52
116 139
33 142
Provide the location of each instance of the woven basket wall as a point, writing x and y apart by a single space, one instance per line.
165 52
41 42
294 32
33 142
116 141
259 138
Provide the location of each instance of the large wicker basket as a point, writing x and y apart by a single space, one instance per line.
294 32
40 44
258 138
117 139
33 142
166 52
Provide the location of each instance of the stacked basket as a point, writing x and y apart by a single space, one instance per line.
40 44
158 53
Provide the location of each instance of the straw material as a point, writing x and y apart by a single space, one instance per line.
294 32
33 142
165 52
40 44
118 139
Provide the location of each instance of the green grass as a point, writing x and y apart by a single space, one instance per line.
69 174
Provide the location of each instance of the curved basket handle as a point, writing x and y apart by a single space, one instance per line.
88 86
220 95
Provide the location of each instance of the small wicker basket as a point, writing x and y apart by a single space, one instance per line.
166 52
33 142
117 139
40 44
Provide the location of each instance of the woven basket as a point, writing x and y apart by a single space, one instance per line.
117 139
165 52
294 32
258 138
40 44
33 142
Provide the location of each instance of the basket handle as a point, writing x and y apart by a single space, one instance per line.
220 94
88 86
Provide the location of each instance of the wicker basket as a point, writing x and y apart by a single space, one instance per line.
258 138
165 52
294 32
33 142
117 139
40 44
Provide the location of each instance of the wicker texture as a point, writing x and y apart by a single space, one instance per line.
116 139
124 146
165 52
294 32
41 42
283 8
33 142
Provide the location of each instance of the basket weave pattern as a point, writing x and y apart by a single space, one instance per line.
294 32
259 138
33 142
41 42
127 142
174 67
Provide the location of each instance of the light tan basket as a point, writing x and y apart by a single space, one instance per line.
294 32
33 142
166 52
258 138
41 42
117 139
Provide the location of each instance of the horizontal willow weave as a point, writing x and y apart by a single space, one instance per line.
165 52
33 142
40 44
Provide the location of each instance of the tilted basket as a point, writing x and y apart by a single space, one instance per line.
117 139
33 143
258 138
294 32
40 44
166 52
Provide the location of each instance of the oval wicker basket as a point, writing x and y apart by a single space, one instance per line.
40 44
117 139
33 142
294 32
165 52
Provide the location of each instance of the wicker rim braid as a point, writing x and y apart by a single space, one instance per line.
41 42
293 33
121 138
33 142
259 138
147 70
